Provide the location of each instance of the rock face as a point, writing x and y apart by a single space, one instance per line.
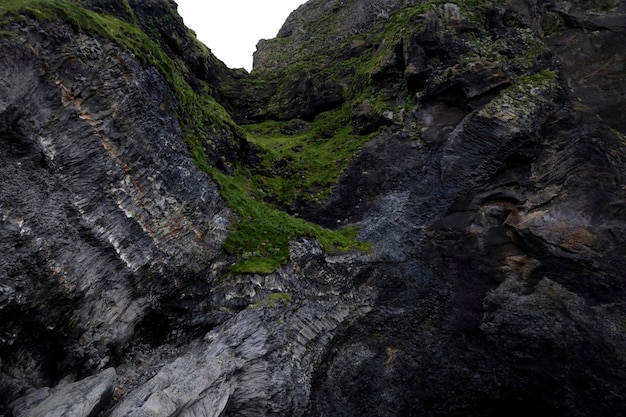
103 212
492 192
595 66
82 398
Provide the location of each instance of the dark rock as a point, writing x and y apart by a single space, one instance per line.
586 36
295 127
260 361
102 208
365 119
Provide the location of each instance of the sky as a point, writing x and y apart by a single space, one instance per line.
232 28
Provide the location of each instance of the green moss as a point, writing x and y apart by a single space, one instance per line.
389 36
525 88
304 166
526 96
546 78
262 234
195 110
497 51
272 301
129 11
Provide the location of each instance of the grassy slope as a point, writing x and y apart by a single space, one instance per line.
261 234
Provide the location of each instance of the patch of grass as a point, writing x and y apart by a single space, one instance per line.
193 109
262 233
196 111
498 51
304 166
526 96
387 41
272 301
531 88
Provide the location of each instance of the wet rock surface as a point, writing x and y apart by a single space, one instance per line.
493 198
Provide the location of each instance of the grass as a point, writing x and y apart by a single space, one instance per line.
299 167
196 110
272 301
262 233
306 165
526 96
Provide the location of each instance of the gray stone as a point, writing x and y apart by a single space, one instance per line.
84 398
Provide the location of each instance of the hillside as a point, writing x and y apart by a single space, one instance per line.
408 208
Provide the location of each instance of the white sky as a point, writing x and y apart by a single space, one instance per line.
232 28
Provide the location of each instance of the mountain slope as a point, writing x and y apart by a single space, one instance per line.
155 263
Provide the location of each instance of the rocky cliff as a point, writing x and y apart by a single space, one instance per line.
407 208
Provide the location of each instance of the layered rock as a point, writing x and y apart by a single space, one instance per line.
83 398
586 36
103 211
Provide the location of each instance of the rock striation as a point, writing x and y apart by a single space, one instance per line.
489 185
100 201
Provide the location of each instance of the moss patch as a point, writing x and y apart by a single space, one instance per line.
518 103
272 301
306 165
195 110
262 233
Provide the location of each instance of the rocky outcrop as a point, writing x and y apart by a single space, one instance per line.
83 398
321 34
586 36
477 228
160 21
262 360
103 211
491 194
318 23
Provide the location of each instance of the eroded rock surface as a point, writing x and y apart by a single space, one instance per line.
79 399
103 212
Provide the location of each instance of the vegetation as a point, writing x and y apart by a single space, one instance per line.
272 301
297 165
525 96
262 233
303 166
195 110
